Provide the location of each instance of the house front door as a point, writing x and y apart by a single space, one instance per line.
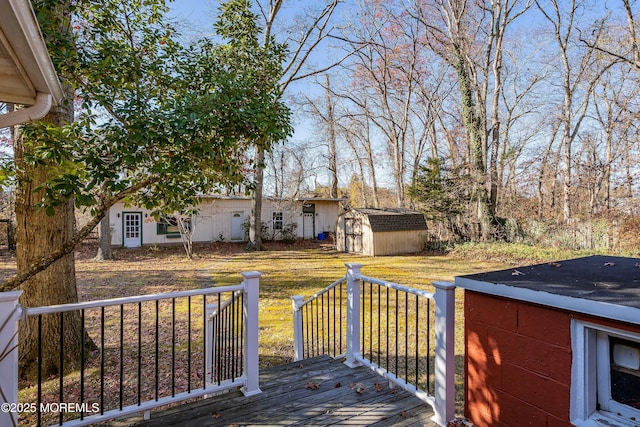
308 225
132 229
237 231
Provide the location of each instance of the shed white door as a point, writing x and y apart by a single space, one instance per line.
353 235
132 222
307 225
237 232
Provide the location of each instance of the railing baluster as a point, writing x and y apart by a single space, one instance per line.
363 318
406 337
334 322
370 320
308 327
321 322
121 355
173 347
417 336
189 344
242 326
388 333
39 370
341 318
429 383
219 343
157 373
396 339
61 373
204 342
313 354
82 349
139 353
379 323
102 355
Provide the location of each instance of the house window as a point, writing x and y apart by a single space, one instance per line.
605 386
277 221
168 225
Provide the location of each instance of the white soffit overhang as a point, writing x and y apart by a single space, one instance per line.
27 75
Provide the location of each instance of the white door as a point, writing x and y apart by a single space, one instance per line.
307 225
237 231
132 229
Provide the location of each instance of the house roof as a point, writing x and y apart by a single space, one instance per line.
394 219
295 199
28 75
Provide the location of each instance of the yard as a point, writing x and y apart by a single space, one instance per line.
301 268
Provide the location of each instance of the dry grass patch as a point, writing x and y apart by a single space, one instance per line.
302 269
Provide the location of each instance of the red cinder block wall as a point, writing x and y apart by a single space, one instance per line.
517 363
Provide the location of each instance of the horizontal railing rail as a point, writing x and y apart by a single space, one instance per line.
136 353
403 334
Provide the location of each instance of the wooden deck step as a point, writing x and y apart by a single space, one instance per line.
315 392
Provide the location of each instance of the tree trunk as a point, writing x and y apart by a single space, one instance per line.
104 240
255 220
477 142
333 154
39 234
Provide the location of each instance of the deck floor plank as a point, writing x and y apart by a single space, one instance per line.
289 398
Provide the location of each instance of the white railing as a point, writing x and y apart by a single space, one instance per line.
246 377
363 330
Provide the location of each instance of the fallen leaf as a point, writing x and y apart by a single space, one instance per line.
555 264
378 387
393 391
517 273
403 414
359 388
609 264
312 386
338 385
216 415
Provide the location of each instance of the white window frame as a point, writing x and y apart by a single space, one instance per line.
591 378
279 221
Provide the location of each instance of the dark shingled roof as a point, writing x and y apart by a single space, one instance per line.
614 280
394 219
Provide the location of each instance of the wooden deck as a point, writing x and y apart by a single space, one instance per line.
314 392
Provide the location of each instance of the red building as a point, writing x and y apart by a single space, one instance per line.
554 344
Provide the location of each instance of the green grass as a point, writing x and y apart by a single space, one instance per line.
288 273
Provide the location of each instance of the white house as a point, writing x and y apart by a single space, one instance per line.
223 218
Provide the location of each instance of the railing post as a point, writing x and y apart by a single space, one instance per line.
298 341
353 314
251 358
9 316
445 353
210 342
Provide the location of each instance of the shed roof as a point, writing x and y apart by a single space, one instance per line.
394 219
598 285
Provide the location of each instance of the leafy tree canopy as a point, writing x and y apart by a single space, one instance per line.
159 122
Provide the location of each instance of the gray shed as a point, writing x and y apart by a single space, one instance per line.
373 232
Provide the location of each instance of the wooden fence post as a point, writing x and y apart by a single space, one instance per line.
445 353
9 315
298 341
251 367
353 314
